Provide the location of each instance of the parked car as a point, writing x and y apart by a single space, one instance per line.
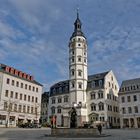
30 125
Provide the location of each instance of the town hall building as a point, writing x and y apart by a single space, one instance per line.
83 99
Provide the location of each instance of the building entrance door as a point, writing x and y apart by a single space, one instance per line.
73 118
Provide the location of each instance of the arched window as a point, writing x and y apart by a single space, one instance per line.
92 95
59 109
93 107
72 72
72 84
101 106
59 99
80 85
100 94
79 73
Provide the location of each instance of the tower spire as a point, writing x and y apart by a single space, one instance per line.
77 26
77 12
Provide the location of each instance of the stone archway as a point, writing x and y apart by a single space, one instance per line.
73 118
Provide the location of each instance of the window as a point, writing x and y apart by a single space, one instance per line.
123 99
59 100
15 107
100 94
79 44
93 107
58 110
109 84
21 85
123 110
79 73
134 87
8 81
16 95
66 99
72 59
53 100
25 86
17 84
28 98
85 60
19 108
20 97
24 97
36 99
100 83
12 93
112 78
136 109
29 87
5 105
73 84
79 59
112 85
92 96
84 52
32 98
6 93
36 89
72 52
128 99
72 72
10 107
53 110
13 82
24 109
33 88
135 97
101 106
80 85
129 110
28 109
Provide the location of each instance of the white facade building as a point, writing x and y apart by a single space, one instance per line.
20 97
70 102
129 98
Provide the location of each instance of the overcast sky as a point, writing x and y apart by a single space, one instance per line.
34 36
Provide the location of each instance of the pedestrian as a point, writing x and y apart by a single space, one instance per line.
100 128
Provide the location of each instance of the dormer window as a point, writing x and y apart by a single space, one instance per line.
100 83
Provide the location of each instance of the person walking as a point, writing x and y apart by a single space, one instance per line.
100 128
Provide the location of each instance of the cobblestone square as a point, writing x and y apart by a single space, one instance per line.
41 134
